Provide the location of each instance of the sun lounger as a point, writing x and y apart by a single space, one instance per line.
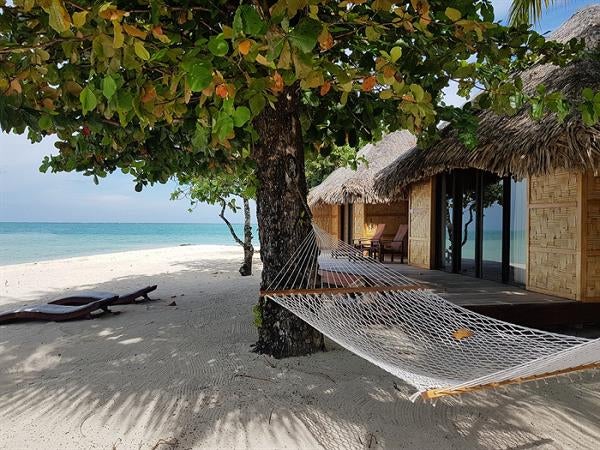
58 313
85 297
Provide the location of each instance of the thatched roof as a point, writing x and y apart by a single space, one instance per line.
518 145
356 186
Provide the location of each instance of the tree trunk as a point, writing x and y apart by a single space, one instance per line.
284 221
246 268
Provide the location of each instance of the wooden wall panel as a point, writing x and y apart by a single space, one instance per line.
554 228
392 214
559 187
420 218
358 221
592 286
327 217
591 238
553 273
554 257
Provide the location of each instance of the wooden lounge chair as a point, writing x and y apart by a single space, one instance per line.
58 313
396 246
369 244
85 297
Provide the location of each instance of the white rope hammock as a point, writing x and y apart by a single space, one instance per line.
411 332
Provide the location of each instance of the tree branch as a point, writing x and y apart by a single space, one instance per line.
228 223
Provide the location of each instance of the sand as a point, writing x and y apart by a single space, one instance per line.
159 376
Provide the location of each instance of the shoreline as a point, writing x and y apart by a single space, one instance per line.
108 253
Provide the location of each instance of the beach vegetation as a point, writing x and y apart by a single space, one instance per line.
167 88
222 189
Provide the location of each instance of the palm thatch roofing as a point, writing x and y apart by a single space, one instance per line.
345 185
517 145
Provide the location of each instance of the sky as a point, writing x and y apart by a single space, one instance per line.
26 195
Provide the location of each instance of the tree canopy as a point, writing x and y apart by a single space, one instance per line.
187 89
158 88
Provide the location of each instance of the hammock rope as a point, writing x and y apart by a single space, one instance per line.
390 320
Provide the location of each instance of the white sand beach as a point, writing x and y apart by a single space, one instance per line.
159 376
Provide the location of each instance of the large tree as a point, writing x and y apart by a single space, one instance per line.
158 88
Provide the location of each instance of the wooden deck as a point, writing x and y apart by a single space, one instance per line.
503 301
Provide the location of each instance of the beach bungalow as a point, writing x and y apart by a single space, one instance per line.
524 206
346 205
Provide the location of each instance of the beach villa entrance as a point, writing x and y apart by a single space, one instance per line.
481 226
346 223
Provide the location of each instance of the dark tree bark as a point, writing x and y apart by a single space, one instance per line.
246 269
284 220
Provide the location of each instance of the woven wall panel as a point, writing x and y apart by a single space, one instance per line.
558 187
327 218
553 228
592 225
553 272
419 240
393 215
420 210
591 230
593 277
419 253
593 186
358 221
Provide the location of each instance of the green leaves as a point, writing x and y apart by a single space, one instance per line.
248 20
218 46
395 54
199 73
119 38
223 126
141 51
59 18
590 108
305 35
200 138
180 88
109 87
79 18
241 116
453 14
257 104
88 100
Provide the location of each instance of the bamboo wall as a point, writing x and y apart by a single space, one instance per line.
327 217
392 214
590 214
554 244
358 221
564 235
420 225
365 218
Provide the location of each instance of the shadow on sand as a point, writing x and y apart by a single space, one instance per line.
185 374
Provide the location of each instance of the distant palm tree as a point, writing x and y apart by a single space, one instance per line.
527 11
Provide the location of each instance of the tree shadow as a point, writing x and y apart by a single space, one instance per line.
185 374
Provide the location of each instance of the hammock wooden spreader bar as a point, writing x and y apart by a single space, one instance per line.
344 290
437 393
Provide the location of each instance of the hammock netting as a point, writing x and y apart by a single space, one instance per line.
389 319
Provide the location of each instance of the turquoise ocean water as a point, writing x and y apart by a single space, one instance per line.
29 242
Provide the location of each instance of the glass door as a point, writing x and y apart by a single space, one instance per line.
446 214
468 232
492 223
518 232
482 226
346 223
